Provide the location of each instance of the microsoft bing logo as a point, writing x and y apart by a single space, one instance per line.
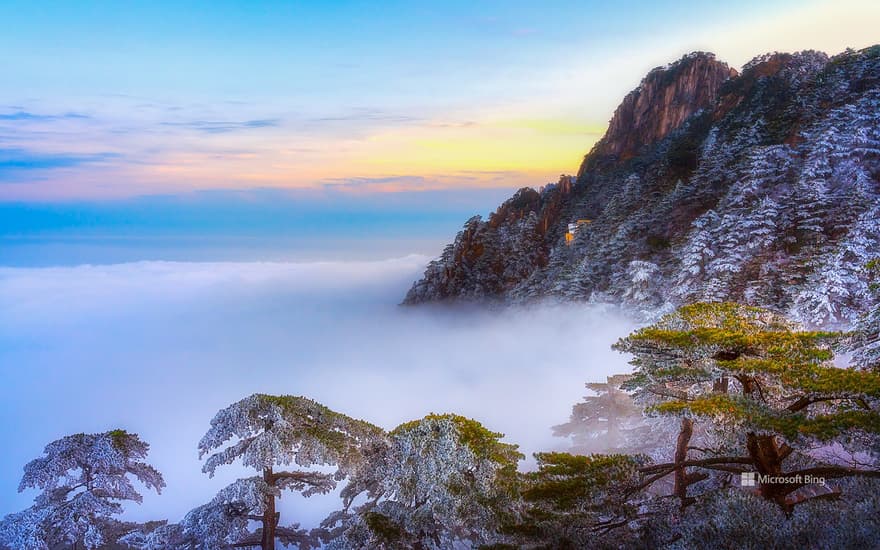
751 479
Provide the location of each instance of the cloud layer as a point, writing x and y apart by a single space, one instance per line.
159 347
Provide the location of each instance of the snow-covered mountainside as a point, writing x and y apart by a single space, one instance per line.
761 187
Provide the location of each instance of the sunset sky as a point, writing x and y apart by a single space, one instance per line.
449 106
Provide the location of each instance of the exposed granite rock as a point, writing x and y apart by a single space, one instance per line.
666 98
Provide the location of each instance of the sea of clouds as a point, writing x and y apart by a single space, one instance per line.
158 347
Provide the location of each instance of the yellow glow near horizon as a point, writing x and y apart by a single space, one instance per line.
541 146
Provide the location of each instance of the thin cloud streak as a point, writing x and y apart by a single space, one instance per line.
27 116
224 126
16 164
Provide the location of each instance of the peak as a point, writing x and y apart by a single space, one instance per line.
666 97
686 60
695 64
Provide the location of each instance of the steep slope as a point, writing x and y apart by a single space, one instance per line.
666 98
762 187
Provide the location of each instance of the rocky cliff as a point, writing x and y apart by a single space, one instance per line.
663 101
761 187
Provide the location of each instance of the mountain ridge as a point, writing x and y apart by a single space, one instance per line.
761 187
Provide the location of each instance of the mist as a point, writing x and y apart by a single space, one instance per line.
158 347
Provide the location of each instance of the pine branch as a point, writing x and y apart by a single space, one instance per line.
806 400
704 463
668 392
309 478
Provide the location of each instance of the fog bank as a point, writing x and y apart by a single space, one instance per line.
158 347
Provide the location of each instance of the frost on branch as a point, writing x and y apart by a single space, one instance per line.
84 480
441 483
266 432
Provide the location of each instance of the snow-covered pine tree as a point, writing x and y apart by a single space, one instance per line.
265 432
441 482
642 290
864 340
696 255
221 524
84 480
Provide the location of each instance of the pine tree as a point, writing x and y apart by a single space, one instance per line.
608 421
442 482
768 388
864 341
265 432
574 502
84 480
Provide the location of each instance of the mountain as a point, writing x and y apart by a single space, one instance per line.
761 187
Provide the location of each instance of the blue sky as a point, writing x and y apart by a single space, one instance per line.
319 50
108 106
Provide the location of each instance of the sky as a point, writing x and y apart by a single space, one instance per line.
334 107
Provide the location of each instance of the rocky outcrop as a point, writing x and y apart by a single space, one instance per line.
666 98
762 188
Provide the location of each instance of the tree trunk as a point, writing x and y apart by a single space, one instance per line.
681 477
768 458
270 519
613 425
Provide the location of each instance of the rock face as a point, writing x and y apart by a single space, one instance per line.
762 188
662 102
